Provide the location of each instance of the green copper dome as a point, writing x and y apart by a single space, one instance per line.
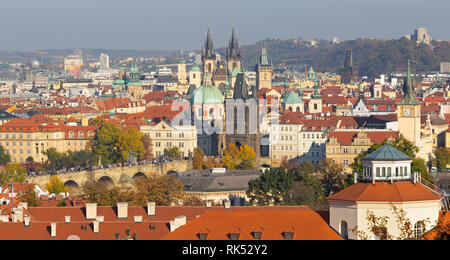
235 72
292 98
207 95
195 68
387 153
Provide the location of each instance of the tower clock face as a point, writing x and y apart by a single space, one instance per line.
406 112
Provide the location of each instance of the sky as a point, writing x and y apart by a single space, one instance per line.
182 24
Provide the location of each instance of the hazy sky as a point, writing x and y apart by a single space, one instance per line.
182 24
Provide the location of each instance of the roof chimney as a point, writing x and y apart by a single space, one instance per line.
177 222
227 204
208 204
27 220
23 205
414 177
138 219
53 229
96 225
67 219
91 211
100 219
151 208
122 210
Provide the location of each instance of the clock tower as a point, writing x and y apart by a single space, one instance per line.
408 113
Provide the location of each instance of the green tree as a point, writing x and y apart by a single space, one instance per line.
332 176
172 152
105 143
14 172
271 187
5 158
442 155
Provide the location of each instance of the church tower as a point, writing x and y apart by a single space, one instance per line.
315 103
408 113
264 71
209 60
182 76
233 53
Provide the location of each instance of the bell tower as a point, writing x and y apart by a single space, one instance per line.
233 53
408 113
209 60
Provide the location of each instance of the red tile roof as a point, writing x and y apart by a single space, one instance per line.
386 191
305 223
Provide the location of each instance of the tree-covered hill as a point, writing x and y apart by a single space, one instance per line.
373 56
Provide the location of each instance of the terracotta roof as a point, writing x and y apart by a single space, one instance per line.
346 137
386 191
305 223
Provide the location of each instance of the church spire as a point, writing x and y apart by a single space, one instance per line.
233 47
409 98
208 48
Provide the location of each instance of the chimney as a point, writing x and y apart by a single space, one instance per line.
23 205
355 177
177 222
27 220
151 208
96 225
414 177
53 229
137 219
67 219
122 210
208 204
227 204
100 219
91 211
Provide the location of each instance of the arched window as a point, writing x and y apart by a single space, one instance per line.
315 106
419 227
298 109
344 230
209 67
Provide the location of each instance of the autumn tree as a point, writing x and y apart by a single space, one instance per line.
13 172
100 193
247 157
198 160
232 157
148 147
332 176
29 196
130 141
56 186
164 190
211 163
193 201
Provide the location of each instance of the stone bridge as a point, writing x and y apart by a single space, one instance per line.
113 176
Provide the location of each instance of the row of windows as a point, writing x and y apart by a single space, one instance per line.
346 150
181 135
169 144
385 171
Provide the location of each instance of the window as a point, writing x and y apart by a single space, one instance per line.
418 229
344 230
378 171
383 172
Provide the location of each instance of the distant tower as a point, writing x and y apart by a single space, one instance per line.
209 60
348 73
104 61
182 77
233 53
408 113
315 103
134 84
264 71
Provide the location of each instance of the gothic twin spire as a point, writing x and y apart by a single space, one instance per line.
232 51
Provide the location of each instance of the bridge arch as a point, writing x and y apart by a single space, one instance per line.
71 184
139 175
107 181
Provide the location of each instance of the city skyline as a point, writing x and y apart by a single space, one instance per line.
180 25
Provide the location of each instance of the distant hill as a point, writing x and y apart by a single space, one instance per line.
373 56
